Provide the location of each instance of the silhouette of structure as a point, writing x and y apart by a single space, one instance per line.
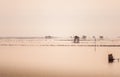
76 39
101 38
48 37
84 37
110 58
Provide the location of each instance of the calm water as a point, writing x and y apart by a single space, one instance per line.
36 58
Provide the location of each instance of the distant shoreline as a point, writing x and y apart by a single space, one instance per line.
61 45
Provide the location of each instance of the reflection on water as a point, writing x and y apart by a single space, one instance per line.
34 57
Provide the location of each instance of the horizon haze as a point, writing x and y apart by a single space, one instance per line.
59 17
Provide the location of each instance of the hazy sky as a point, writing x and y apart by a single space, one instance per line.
59 17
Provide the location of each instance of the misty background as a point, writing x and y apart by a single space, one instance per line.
59 17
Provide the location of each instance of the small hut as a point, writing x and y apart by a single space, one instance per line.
76 39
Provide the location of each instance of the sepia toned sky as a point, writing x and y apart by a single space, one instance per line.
59 17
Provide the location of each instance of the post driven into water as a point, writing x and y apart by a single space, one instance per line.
111 58
94 42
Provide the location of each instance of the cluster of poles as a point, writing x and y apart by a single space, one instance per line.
111 59
77 40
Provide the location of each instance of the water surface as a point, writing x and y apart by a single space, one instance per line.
30 59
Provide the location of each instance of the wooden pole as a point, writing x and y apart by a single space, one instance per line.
94 42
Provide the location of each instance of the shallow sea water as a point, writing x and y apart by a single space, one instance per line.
51 60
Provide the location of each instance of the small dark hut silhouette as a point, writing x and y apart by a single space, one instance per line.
110 58
76 39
